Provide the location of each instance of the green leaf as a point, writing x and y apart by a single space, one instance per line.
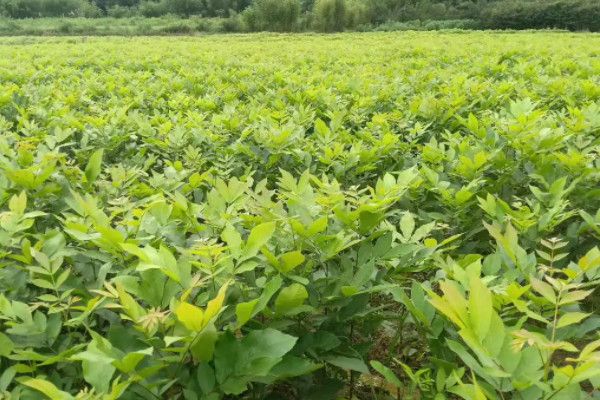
407 225
97 361
17 204
364 274
387 373
480 308
228 352
131 360
349 290
169 340
321 128
369 220
244 311
268 343
289 367
575 296
347 363
544 289
571 318
6 378
239 362
98 375
290 260
495 337
169 264
429 242
191 316
270 289
215 305
204 345
456 302
466 357
6 345
128 303
496 372
317 226
206 377
48 389
290 297
259 236
94 166
23 177
42 284
233 239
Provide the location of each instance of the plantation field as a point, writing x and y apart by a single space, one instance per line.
352 216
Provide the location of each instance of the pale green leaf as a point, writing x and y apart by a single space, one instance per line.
571 318
94 166
259 236
290 260
48 389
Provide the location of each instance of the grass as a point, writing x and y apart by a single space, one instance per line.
134 26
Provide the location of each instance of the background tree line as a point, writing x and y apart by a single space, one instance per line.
331 15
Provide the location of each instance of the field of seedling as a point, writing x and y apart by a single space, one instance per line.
357 216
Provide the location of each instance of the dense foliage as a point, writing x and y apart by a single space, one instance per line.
273 15
172 25
326 15
372 216
572 15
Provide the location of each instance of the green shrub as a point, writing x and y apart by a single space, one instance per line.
121 12
268 217
207 25
177 27
272 15
357 14
9 26
184 8
56 8
451 24
234 23
22 8
87 10
66 27
563 14
154 8
418 25
330 15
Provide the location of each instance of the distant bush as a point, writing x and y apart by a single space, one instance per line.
57 8
184 8
222 8
417 25
330 15
9 26
358 13
427 10
327 15
451 24
206 25
177 27
48 8
564 14
234 23
153 8
121 12
66 27
22 8
88 10
273 15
